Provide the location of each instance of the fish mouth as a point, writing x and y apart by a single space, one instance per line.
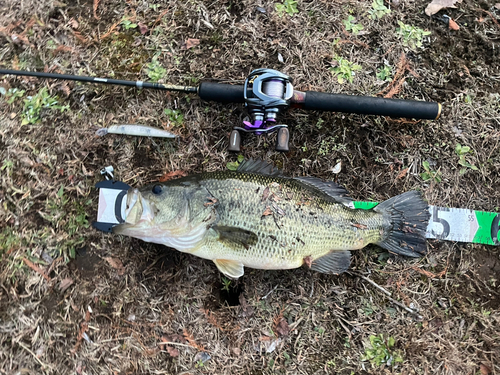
139 213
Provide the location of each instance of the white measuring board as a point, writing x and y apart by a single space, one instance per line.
458 224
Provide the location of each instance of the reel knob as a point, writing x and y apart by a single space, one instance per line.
235 141
282 140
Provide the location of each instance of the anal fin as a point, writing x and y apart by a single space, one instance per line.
230 268
335 262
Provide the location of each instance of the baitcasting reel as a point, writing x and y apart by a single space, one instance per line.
267 92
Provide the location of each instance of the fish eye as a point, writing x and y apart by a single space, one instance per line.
157 189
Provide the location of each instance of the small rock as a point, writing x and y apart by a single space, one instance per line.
40 351
337 168
202 356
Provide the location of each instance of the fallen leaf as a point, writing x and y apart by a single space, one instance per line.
116 264
359 226
142 28
65 284
497 5
485 370
172 175
165 339
65 88
236 351
190 43
436 5
402 173
172 351
190 339
211 201
308 261
267 211
265 194
73 23
282 328
453 25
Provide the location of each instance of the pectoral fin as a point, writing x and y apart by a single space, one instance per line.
236 236
335 262
230 268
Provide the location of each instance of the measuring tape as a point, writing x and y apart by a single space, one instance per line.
458 224
449 224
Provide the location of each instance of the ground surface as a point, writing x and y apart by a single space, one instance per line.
74 300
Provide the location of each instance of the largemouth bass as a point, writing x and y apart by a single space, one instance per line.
255 217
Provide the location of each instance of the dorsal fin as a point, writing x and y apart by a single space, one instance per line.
328 188
259 166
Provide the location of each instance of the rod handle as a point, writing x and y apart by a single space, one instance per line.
368 105
221 92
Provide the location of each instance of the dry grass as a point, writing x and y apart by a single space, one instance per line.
124 306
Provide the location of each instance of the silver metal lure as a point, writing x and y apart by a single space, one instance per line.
136 130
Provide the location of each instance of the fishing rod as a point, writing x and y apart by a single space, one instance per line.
266 93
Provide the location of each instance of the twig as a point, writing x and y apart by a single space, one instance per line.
35 268
272 290
489 14
372 282
33 354
96 4
160 17
84 327
411 311
108 33
176 343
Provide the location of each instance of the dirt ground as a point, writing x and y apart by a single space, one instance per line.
75 300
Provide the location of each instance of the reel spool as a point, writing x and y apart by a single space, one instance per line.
267 92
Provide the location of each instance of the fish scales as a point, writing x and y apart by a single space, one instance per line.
255 217
308 225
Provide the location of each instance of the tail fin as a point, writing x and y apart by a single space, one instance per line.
406 219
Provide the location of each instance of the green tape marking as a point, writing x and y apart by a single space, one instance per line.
365 205
487 233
